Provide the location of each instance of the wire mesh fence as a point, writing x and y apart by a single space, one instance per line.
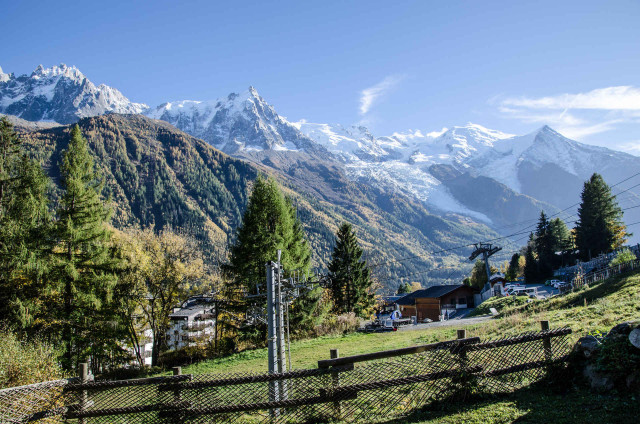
361 388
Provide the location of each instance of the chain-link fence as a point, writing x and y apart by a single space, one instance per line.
361 388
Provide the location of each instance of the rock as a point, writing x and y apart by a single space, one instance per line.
634 337
587 346
597 380
624 328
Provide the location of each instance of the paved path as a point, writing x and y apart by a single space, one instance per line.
459 321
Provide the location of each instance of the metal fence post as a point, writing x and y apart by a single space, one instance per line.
335 381
546 342
83 374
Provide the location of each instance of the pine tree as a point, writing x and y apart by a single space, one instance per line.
543 245
24 228
350 277
269 224
560 235
599 228
531 265
514 267
84 270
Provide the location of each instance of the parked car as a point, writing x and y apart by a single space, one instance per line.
552 282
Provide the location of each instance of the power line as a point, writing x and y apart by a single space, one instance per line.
526 230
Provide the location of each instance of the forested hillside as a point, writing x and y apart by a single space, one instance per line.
158 176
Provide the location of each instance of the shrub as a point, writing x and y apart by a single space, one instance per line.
623 256
338 324
26 362
618 358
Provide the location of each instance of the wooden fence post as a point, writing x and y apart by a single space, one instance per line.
546 342
83 374
335 381
462 334
176 392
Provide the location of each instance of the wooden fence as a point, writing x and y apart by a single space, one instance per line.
360 388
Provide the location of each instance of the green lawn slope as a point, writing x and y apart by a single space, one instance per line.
595 308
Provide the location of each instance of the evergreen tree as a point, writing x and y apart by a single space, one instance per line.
599 228
404 288
24 228
350 279
543 244
514 267
269 224
84 269
531 265
560 236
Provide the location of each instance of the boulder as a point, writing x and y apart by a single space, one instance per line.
587 346
598 380
634 337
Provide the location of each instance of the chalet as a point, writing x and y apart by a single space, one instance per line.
193 322
436 301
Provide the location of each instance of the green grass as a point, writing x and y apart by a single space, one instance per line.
536 404
607 303
499 303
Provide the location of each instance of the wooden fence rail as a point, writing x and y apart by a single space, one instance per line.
336 390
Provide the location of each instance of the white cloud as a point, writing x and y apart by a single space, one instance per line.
632 147
576 115
610 98
369 95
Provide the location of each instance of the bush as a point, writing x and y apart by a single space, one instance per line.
129 373
623 256
338 324
24 362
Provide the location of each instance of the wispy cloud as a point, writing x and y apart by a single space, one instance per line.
610 98
576 115
632 147
368 96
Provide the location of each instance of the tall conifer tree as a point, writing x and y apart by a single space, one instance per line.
350 279
544 246
24 228
599 228
84 269
269 224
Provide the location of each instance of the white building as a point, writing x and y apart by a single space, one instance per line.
193 322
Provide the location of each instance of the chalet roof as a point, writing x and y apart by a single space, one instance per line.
190 312
433 292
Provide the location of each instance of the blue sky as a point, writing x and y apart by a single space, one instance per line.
393 66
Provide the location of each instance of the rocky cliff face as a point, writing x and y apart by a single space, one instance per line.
60 94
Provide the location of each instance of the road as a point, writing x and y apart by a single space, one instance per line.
458 321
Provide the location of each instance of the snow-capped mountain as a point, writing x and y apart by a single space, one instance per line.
236 123
60 94
491 176
476 171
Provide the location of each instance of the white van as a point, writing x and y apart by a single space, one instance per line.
523 291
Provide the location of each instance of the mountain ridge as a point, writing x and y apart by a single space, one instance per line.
535 170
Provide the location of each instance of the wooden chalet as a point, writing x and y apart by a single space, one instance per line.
435 301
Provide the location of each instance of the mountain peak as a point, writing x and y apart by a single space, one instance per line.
61 94
253 92
4 77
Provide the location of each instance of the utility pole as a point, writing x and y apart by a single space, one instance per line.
486 250
280 294
272 326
